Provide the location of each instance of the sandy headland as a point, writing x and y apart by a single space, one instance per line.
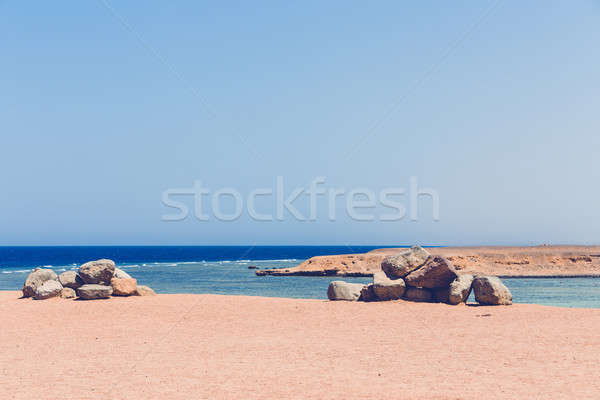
231 347
534 261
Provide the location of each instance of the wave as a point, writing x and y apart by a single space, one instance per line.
203 262
17 271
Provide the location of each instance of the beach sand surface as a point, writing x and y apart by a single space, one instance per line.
238 347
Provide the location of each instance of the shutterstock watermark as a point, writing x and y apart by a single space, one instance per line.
300 203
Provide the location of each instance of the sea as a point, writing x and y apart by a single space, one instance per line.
231 270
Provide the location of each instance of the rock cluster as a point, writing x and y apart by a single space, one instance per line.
416 275
94 280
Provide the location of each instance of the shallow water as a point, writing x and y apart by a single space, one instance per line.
232 276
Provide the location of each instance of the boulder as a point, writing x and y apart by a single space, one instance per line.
441 295
144 291
97 272
367 294
70 279
490 290
123 286
402 264
48 289
93 291
386 288
68 293
460 289
119 273
340 290
418 294
35 279
437 272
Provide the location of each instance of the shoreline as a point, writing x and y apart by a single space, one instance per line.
185 346
472 304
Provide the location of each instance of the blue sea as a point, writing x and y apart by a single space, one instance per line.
224 270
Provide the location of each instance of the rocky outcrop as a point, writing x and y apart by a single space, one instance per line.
385 288
47 290
433 280
460 289
71 284
94 291
144 291
97 272
35 279
489 290
340 290
402 264
70 279
123 286
436 272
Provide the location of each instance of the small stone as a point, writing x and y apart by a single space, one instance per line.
460 289
70 279
123 286
47 290
489 290
143 290
386 288
435 273
402 264
35 279
93 291
97 272
340 290
417 294
367 294
68 293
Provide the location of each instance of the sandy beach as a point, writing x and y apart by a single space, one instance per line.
231 347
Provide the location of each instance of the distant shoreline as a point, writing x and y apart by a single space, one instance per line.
503 261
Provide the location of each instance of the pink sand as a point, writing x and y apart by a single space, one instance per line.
230 347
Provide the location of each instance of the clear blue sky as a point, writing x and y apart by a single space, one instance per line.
104 105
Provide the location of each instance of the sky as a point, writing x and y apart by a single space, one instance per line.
105 105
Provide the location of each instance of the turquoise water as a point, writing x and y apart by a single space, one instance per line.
233 277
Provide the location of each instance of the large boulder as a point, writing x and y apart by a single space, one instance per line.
123 286
490 290
340 290
35 279
143 290
386 288
437 272
93 291
68 293
48 289
119 273
400 265
460 289
97 272
70 279
418 294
